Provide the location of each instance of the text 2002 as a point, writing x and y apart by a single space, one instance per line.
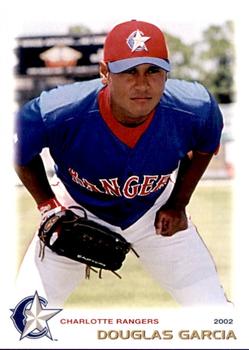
223 321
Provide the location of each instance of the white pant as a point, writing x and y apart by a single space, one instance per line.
181 264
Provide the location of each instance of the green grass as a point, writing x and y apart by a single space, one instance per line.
211 209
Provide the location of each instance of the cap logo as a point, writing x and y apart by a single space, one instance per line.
136 41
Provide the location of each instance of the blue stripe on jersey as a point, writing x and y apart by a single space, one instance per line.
115 182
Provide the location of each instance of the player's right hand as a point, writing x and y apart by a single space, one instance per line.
169 221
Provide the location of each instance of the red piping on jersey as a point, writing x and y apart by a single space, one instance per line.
127 135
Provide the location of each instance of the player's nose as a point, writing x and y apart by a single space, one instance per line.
141 81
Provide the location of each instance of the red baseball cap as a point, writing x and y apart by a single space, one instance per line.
132 43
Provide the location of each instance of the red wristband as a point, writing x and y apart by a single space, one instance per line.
48 205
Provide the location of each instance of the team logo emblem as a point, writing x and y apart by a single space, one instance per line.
136 41
30 317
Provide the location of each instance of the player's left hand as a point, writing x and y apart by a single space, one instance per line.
169 221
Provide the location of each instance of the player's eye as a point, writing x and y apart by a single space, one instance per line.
132 70
154 69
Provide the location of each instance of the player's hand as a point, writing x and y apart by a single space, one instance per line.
169 221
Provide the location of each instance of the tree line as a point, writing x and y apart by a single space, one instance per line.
210 60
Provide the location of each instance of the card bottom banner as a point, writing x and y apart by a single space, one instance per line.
30 323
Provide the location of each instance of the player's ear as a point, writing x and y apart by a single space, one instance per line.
104 72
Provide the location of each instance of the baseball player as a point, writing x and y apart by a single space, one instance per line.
129 148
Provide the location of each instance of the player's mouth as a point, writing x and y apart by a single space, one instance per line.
142 98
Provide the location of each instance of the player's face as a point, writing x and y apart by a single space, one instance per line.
136 92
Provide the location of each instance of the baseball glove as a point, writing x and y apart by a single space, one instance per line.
83 240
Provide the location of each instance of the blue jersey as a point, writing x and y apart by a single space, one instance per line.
115 182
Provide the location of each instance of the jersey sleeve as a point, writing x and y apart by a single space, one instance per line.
29 133
210 136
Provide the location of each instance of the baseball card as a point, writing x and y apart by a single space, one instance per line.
123 176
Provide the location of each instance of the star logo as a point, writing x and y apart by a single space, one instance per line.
31 318
136 41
